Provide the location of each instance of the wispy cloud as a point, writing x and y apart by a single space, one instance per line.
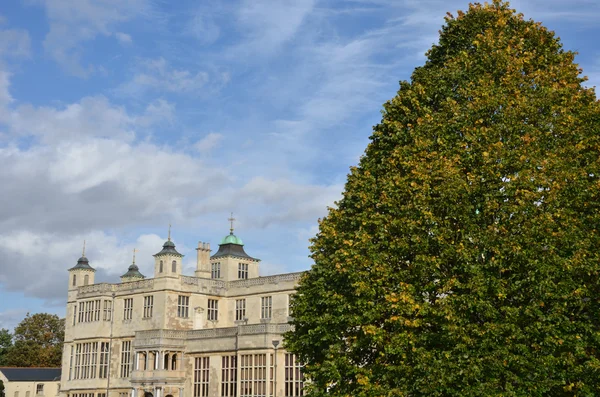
15 43
159 76
74 22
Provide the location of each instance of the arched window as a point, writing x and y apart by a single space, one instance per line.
166 361
86 280
160 270
174 267
74 280
174 362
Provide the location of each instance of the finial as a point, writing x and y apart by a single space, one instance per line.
169 232
83 251
134 256
231 219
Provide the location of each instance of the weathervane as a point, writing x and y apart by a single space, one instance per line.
231 220
134 255
169 232
83 251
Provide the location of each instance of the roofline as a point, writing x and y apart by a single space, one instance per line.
30 367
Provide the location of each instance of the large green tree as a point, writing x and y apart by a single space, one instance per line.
37 342
463 258
5 344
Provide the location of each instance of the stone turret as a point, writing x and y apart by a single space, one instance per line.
82 273
232 261
167 263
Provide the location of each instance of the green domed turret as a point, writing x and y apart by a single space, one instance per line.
231 239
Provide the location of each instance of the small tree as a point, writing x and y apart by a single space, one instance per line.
463 258
38 341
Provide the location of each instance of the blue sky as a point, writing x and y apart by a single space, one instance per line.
119 117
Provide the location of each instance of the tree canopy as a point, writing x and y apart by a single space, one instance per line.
5 344
463 258
37 342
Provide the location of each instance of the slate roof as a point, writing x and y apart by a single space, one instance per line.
168 248
15 374
83 263
232 250
133 271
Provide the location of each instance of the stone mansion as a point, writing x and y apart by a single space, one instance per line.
217 333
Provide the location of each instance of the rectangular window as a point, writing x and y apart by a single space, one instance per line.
103 373
89 311
97 310
74 313
86 355
215 270
81 311
294 379
101 395
266 303
94 357
77 361
107 310
148 303
271 374
213 310
127 308
125 358
39 389
253 375
71 362
240 309
242 271
183 304
229 376
201 376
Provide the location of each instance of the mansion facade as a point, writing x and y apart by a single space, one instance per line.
218 333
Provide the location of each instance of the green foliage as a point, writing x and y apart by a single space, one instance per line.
38 342
5 344
463 258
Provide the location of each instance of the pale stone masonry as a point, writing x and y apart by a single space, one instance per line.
219 333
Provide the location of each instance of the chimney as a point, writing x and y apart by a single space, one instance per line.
203 261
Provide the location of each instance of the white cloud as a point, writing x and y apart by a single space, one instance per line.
86 178
5 97
9 319
208 142
91 116
123 38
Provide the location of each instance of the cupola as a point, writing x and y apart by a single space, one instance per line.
133 272
167 262
82 273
